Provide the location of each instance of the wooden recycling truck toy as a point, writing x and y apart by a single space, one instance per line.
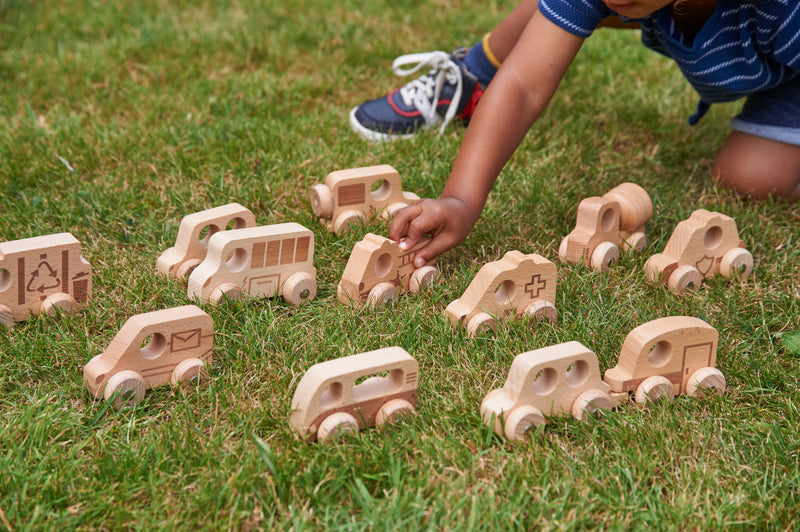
659 359
359 194
516 284
42 274
152 349
333 397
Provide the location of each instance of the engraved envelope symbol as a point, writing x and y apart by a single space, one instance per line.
181 341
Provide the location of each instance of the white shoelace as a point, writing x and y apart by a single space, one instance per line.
424 91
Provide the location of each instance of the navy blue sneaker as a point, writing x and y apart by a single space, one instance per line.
435 98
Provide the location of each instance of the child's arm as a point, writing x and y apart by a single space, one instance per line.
519 92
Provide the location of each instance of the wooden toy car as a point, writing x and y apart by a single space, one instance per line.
260 261
704 244
173 345
378 270
359 194
606 223
516 284
333 396
42 274
194 233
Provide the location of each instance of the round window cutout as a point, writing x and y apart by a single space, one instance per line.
577 373
380 190
383 266
5 279
546 381
504 293
236 223
206 232
660 354
332 396
608 220
153 346
713 237
237 260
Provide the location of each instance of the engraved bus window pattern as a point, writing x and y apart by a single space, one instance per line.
280 252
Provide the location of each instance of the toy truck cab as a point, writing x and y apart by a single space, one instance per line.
517 283
333 396
359 194
42 274
260 261
173 345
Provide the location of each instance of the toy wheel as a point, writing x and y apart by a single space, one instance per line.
6 318
391 210
737 262
59 302
392 410
654 389
183 271
125 388
380 295
604 256
336 425
299 288
706 379
562 249
590 402
637 241
225 291
685 278
542 309
346 219
479 323
422 277
521 421
321 200
189 374
651 271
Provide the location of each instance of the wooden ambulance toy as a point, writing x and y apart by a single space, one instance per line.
173 345
516 284
359 194
194 233
334 396
259 261
378 270
704 244
604 224
659 359
40 275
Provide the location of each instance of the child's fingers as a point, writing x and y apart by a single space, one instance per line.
399 226
434 248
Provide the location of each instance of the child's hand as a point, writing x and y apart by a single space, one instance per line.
447 220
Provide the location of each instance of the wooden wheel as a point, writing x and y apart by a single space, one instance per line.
321 200
60 302
380 295
562 249
6 318
189 374
706 380
336 425
186 268
125 388
604 256
421 278
225 291
637 241
346 219
541 309
521 421
590 402
389 212
480 323
299 288
392 410
654 389
685 278
737 262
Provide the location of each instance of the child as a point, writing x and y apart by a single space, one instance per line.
726 49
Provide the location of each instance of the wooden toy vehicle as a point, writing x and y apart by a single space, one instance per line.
194 233
604 224
378 270
704 244
332 397
42 274
260 261
173 345
359 194
517 283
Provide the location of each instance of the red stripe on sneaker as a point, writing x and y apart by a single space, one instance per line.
473 102
397 109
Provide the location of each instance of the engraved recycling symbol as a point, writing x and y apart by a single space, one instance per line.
43 278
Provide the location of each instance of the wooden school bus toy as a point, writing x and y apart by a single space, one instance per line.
359 194
42 274
259 261
378 270
704 244
173 345
604 224
194 233
333 396
516 284
659 359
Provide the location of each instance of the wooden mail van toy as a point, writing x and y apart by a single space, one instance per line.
259 261
173 345
333 396
516 284
359 194
378 270
194 233
604 224
704 244
42 274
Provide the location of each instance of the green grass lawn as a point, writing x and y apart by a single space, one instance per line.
119 118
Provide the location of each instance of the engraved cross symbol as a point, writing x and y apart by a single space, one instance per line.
535 287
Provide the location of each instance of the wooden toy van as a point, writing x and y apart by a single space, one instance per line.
354 392
259 261
359 194
42 274
173 345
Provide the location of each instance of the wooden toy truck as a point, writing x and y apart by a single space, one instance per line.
40 275
606 223
704 244
518 284
260 261
194 233
378 270
659 359
333 396
359 194
173 345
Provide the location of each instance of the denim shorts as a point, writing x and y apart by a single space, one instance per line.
772 114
